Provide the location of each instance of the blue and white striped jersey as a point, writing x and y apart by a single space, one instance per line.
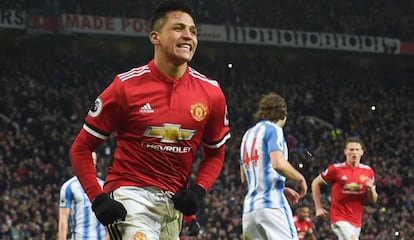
265 185
83 222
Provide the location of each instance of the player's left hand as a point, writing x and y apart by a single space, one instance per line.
369 183
291 195
188 200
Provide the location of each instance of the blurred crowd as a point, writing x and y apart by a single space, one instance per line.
46 91
48 83
377 17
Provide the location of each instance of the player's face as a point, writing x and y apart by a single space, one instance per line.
353 152
177 39
304 213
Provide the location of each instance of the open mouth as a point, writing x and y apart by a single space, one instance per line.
185 46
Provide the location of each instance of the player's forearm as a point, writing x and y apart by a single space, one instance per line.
81 157
62 235
210 166
288 171
372 195
283 167
316 193
242 176
62 230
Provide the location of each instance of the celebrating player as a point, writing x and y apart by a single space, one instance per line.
303 223
352 185
161 114
264 167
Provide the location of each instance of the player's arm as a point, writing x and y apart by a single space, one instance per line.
188 200
210 166
82 162
282 166
316 193
213 146
102 119
242 176
215 135
63 223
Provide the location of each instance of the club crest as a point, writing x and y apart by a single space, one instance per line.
198 111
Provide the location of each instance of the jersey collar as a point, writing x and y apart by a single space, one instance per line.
161 76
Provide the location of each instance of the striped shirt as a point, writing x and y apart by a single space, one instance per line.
83 222
265 185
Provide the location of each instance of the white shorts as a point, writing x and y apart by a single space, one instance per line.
150 215
345 231
269 223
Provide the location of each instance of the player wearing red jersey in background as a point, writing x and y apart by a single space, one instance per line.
352 185
303 223
160 114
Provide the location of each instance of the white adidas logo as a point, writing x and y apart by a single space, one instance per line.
146 108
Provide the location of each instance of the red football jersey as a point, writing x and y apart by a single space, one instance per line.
303 227
158 123
348 191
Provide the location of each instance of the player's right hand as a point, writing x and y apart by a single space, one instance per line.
107 210
321 212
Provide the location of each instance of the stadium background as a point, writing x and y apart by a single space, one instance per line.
49 76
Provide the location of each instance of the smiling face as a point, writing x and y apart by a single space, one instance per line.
303 213
174 38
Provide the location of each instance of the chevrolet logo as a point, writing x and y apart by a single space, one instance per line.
169 133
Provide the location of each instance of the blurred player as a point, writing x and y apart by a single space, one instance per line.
264 167
75 207
352 185
161 114
303 223
193 226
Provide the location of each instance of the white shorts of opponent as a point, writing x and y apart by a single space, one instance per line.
269 223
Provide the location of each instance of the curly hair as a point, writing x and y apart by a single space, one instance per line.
271 107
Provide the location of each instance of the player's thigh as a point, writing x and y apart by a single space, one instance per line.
267 223
345 231
150 214
250 228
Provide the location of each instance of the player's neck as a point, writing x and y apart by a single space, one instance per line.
353 164
175 71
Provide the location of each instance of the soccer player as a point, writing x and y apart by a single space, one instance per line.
193 228
303 223
264 168
352 186
74 206
160 113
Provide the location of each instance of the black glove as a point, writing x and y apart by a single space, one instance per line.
107 210
188 201
194 228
